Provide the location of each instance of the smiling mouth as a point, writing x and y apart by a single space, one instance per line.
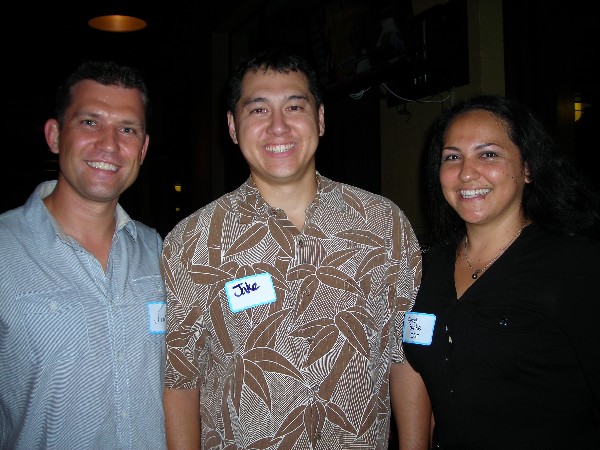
471 193
102 165
279 148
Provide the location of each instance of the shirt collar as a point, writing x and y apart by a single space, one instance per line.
44 225
251 205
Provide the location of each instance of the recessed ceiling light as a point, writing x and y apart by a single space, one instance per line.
117 23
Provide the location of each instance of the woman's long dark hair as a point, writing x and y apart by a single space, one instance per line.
559 198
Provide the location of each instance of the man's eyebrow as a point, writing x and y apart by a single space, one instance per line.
251 101
255 100
298 97
86 114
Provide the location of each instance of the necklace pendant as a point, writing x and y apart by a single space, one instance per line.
475 274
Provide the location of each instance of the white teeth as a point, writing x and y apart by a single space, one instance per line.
470 193
279 148
102 165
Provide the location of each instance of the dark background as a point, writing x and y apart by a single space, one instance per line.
550 54
43 44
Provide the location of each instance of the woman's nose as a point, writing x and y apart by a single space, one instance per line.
468 170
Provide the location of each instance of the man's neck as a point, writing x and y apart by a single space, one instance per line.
92 224
293 198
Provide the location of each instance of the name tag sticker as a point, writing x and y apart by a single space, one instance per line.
418 328
157 317
250 291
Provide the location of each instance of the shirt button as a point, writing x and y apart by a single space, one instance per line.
53 306
300 243
319 436
121 357
306 292
124 414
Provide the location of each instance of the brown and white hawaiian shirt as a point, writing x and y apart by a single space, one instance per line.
290 335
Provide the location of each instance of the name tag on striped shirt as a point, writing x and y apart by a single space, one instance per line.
157 317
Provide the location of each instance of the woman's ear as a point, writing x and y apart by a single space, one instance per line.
527 174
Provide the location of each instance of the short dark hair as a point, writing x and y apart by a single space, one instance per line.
558 198
277 60
108 73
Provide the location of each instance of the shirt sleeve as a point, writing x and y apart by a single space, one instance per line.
185 337
406 257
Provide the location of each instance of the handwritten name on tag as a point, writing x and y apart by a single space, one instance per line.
247 292
418 328
157 317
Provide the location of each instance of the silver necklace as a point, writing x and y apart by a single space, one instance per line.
477 272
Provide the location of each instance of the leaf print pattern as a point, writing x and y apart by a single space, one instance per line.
375 258
208 275
362 237
336 415
220 334
248 239
293 422
264 335
352 328
254 379
336 259
334 277
314 231
308 370
187 369
314 419
322 343
353 200
280 231
300 272
306 293
369 416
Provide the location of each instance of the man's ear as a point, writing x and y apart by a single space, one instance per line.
321 120
144 149
231 126
52 133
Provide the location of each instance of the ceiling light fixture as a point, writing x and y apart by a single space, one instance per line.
117 23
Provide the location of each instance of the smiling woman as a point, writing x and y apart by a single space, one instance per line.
489 330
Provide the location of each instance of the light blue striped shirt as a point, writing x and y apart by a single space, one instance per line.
82 351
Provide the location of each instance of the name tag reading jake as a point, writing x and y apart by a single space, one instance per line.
251 291
418 328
